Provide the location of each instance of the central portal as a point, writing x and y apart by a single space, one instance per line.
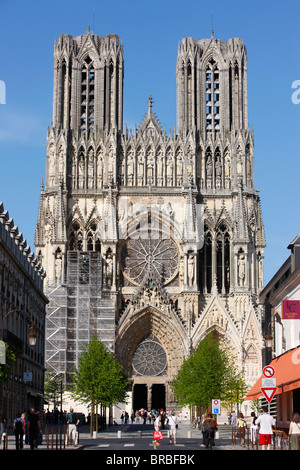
158 398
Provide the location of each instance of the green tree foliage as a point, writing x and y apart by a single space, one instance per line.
5 368
204 374
99 377
53 386
236 388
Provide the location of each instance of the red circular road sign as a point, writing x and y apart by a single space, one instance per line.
268 371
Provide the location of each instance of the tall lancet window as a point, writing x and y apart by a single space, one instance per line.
205 262
212 85
87 95
223 259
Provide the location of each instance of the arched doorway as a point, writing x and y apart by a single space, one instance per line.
158 397
140 397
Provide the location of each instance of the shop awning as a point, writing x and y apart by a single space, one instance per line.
287 374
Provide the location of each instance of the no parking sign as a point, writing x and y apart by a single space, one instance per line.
216 406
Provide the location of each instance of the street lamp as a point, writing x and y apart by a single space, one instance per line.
31 334
268 338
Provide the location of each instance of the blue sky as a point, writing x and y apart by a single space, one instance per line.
150 32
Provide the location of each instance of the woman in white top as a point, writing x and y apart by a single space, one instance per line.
172 423
294 432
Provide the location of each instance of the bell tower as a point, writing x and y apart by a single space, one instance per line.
211 85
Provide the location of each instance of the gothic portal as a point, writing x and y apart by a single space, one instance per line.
150 239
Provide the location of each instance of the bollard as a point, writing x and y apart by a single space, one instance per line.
94 434
4 440
189 434
119 434
139 434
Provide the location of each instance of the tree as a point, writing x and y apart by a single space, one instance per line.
53 386
203 375
5 368
99 378
236 388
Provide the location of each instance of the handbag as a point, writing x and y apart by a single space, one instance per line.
157 435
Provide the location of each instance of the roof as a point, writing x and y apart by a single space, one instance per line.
287 374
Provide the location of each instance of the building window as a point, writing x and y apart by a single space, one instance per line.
87 95
212 85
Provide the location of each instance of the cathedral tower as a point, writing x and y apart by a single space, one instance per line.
150 239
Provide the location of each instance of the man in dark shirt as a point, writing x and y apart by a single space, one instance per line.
34 428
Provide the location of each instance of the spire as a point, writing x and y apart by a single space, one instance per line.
39 237
150 103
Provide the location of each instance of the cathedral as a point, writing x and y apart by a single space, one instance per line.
150 240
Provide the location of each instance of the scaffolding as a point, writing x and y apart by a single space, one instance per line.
76 312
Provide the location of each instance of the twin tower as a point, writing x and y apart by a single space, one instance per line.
150 239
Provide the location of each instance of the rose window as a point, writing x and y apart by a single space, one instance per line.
149 358
160 255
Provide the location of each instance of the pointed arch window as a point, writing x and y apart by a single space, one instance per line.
223 259
205 262
93 241
87 95
212 85
76 238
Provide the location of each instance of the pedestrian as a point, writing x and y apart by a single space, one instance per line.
266 423
241 430
2 425
72 432
163 418
294 432
157 426
253 427
233 418
201 428
209 428
18 431
34 429
172 421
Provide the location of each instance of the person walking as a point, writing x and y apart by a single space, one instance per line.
253 427
72 433
157 426
266 423
172 421
241 431
34 428
294 432
18 428
204 435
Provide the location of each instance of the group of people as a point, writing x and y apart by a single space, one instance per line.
143 416
159 423
264 424
28 427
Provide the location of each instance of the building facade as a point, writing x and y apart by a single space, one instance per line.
281 302
22 305
150 239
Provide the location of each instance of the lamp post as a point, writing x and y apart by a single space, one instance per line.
31 334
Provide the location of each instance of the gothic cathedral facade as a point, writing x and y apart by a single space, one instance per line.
151 240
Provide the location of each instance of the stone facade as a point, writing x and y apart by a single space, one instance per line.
22 304
175 217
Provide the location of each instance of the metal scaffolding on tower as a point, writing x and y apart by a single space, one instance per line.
77 311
